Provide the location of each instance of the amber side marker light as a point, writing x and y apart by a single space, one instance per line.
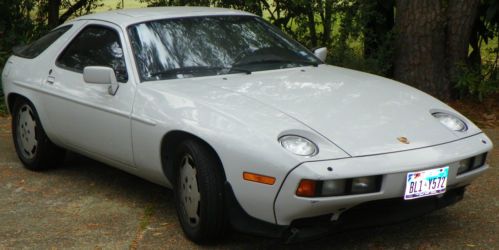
258 178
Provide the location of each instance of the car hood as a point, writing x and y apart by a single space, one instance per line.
361 113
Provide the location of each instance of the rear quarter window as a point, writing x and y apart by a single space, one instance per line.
35 48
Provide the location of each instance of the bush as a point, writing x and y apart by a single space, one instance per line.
351 57
348 51
478 82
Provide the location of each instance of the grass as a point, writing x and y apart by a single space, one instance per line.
144 223
146 219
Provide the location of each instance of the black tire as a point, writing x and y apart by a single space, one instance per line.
210 224
43 154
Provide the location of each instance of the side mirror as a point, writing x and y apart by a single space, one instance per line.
101 75
321 53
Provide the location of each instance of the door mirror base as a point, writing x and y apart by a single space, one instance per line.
321 53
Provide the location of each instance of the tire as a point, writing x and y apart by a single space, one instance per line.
199 192
32 145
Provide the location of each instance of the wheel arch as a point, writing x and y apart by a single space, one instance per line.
169 143
12 98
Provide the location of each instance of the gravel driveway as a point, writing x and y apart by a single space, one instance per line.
86 204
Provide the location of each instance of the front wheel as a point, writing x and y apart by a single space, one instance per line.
199 192
33 147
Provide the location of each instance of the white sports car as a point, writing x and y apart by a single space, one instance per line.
249 128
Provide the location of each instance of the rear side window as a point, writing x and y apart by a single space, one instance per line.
37 47
95 46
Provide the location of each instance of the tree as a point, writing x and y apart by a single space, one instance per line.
432 40
485 29
15 27
379 18
51 10
15 22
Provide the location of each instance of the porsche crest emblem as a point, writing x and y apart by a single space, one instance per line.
403 140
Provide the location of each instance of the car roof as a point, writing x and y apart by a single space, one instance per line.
126 17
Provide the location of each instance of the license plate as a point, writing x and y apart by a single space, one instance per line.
426 183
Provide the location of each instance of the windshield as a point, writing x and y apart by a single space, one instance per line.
212 45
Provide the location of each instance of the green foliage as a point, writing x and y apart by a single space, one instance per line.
22 21
479 77
478 82
350 55
488 20
339 25
363 38
16 27
359 33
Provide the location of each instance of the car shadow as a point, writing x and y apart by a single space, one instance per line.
86 171
134 190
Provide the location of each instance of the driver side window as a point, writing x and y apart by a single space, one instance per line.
95 46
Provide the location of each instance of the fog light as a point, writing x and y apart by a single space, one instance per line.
364 185
333 187
464 166
479 161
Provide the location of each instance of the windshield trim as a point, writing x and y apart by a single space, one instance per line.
188 16
227 76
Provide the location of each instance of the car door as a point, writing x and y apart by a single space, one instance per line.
86 117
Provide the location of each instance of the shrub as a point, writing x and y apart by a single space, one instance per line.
479 82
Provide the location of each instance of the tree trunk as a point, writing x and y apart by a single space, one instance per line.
327 22
311 24
433 38
420 46
461 15
53 13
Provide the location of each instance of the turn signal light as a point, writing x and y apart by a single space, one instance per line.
258 178
306 188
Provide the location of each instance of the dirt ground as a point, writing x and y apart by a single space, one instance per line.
88 205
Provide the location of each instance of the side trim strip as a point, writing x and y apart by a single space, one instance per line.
146 121
40 90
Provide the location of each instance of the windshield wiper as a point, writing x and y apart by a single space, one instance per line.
302 62
237 69
198 69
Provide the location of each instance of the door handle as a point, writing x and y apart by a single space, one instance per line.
50 80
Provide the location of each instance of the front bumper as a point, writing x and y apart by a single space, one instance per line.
393 167
373 213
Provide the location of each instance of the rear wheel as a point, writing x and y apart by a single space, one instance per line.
199 192
33 147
